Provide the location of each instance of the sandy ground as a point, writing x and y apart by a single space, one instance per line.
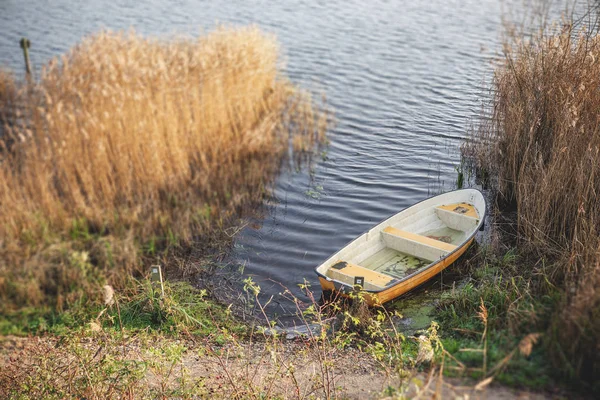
291 369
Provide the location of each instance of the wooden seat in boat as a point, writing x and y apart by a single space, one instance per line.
416 245
346 272
465 209
459 216
420 238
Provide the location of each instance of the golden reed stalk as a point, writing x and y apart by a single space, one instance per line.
144 138
544 150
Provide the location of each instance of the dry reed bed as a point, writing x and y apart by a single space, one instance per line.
545 132
138 140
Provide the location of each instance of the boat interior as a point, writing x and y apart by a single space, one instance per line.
406 245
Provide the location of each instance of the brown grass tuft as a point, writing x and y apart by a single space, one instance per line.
151 142
545 153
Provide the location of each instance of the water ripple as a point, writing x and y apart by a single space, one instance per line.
405 79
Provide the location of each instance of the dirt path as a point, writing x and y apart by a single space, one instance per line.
290 370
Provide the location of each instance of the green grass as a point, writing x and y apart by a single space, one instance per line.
183 309
521 372
504 287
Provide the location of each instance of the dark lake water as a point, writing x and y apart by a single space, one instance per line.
406 80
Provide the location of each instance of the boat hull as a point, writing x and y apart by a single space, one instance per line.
407 249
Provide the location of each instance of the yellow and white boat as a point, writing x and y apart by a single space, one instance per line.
407 249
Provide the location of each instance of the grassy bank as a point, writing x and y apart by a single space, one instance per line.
181 345
127 149
540 154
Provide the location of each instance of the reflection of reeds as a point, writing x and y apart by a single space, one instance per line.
158 139
545 154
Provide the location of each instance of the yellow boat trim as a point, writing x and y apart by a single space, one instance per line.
461 208
419 238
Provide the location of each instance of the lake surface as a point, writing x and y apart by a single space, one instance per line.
405 78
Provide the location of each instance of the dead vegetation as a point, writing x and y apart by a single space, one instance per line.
128 146
542 149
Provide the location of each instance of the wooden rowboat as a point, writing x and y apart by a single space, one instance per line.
406 249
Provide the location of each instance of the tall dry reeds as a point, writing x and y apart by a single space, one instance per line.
143 140
545 155
8 98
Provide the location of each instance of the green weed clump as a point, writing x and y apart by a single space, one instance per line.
497 312
127 146
542 149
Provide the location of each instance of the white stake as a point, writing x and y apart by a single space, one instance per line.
156 276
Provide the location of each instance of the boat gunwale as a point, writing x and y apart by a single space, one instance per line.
398 281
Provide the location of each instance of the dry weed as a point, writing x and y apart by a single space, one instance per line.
542 145
153 141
